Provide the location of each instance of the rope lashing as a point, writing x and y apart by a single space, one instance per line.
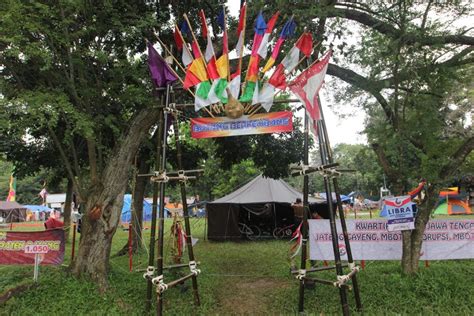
150 271
343 279
161 286
301 274
351 265
193 268
160 177
182 176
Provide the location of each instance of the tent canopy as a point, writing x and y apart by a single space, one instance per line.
265 190
344 198
127 209
38 208
12 212
263 202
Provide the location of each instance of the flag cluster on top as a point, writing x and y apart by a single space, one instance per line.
212 78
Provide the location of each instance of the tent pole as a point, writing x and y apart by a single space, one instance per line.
341 211
161 219
151 257
187 225
304 229
327 185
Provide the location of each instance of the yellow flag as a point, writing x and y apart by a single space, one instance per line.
268 65
222 65
198 69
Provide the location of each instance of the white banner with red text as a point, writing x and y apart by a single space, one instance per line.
370 240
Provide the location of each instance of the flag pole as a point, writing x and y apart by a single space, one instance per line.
195 40
174 72
227 38
254 111
169 52
243 37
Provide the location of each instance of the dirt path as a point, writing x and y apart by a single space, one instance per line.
247 295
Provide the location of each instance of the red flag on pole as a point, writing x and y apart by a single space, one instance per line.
306 86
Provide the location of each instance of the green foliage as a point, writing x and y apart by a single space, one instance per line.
238 278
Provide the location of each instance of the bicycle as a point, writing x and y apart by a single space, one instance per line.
252 232
283 232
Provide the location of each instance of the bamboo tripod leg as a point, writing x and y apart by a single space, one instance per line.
161 219
187 226
151 257
304 230
335 246
342 217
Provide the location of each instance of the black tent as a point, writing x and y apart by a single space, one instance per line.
12 212
263 202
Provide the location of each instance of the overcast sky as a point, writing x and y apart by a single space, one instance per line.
341 130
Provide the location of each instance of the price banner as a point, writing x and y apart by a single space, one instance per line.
22 247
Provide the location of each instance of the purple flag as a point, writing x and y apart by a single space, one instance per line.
161 74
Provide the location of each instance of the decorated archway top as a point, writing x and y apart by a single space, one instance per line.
219 88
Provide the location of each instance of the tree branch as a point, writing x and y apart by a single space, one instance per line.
457 158
373 87
387 29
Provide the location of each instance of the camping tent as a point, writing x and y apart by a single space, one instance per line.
37 212
452 203
12 212
127 213
344 198
263 201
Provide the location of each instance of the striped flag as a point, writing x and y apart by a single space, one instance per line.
263 47
241 31
306 86
287 31
12 191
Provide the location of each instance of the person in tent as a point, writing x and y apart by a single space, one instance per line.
298 210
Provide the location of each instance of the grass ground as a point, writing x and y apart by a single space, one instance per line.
241 278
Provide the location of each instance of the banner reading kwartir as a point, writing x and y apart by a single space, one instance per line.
12 246
275 122
371 240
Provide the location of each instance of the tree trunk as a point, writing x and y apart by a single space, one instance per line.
137 206
104 203
413 239
67 208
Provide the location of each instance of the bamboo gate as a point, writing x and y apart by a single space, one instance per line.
160 177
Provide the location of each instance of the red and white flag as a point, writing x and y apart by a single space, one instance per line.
306 86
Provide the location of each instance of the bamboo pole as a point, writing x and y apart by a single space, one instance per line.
185 46
169 53
340 208
151 256
255 110
161 220
332 220
187 225
174 72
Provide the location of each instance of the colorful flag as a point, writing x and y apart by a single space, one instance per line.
186 56
304 45
209 55
287 31
222 63
161 74
178 38
263 47
241 31
260 28
276 81
252 70
202 95
43 194
12 192
306 86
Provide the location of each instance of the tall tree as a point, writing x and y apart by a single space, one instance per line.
402 62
